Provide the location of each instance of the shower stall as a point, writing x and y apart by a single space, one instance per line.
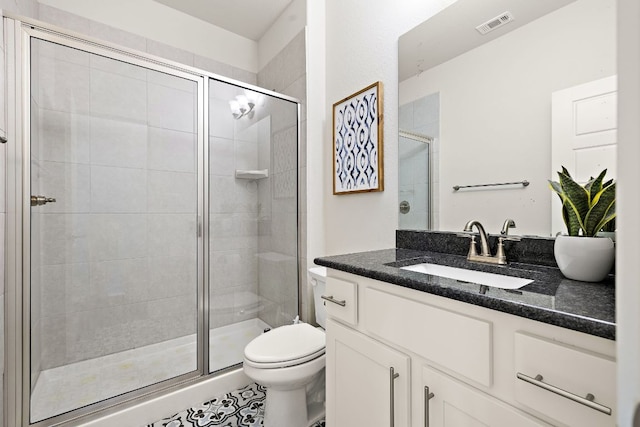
415 154
152 222
418 163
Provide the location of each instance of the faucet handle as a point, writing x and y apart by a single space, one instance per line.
472 244
500 254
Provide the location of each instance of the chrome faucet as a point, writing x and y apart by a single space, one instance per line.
485 252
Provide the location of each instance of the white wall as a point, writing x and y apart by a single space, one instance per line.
284 29
496 113
158 22
628 233
315 122
349 69
362 48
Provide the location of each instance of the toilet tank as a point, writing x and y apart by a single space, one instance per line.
318 281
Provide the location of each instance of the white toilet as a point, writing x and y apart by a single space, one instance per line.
289 361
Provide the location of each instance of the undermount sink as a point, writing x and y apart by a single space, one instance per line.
471 276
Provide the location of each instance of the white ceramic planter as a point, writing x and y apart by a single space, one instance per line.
588 259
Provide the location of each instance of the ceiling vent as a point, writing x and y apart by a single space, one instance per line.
494 23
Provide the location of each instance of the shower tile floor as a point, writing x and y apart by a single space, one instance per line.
239 408
65 388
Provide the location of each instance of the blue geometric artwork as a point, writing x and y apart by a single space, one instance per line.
357 142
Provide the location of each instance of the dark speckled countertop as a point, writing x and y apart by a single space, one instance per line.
550 298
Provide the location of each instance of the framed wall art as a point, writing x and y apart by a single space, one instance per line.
357 142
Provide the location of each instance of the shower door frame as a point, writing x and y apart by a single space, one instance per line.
18 34
18 31
429 141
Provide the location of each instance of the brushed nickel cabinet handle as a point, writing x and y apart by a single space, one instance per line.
392 376
329 298
586 401
427 397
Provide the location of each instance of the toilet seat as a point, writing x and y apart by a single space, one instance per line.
285 346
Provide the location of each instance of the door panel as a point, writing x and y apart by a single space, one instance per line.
114 244
358 380
584 135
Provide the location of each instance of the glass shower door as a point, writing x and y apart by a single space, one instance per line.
114 271
253 217
414 182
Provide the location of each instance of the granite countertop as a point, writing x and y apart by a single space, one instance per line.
550 298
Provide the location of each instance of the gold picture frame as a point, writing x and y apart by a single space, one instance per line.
357 142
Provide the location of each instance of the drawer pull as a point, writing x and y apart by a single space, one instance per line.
586 401
392 376
329 298
427 397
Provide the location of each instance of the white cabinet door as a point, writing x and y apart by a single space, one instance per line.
455 404
367 382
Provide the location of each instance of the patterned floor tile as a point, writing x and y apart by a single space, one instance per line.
240 408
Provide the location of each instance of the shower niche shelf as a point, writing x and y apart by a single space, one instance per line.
252 173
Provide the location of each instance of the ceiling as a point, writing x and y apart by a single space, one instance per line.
247 18
452 31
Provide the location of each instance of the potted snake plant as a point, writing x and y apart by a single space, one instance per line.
587 210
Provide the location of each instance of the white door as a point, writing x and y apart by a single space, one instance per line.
584 124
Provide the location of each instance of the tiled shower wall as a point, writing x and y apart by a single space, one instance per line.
253 221
233 144
157 299
286 73
116 145
52 350
277 261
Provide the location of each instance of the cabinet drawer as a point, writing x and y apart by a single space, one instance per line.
341 300
451 340
570 385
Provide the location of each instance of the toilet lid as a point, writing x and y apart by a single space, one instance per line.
286 344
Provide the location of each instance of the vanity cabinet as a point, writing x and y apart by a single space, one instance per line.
471 358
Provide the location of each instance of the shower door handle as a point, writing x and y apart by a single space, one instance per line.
41 200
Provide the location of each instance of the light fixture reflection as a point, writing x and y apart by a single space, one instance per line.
243 105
